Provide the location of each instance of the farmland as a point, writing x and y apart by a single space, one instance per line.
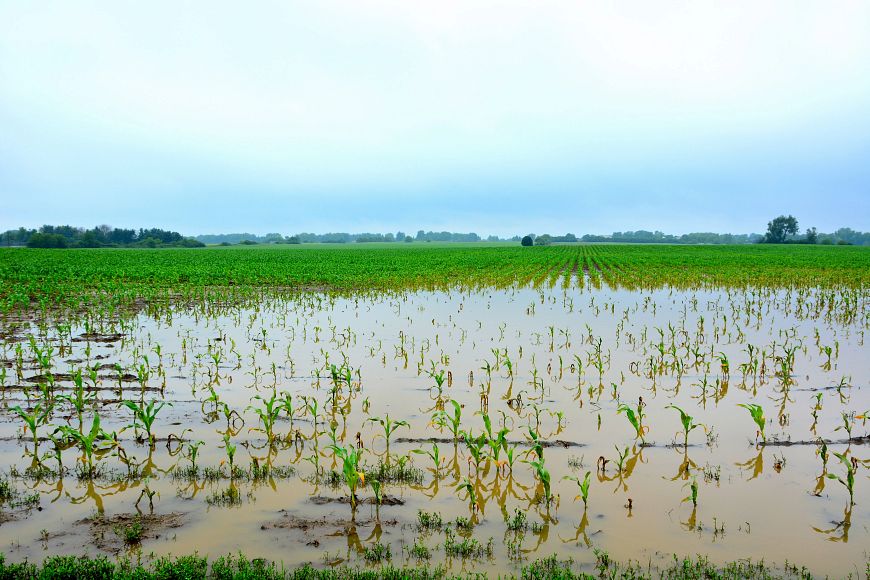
471 407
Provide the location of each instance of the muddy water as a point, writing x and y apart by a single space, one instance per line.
576 354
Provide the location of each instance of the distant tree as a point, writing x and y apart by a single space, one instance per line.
544 240
408 239
780 228
527 241
42 240
812 236
89 240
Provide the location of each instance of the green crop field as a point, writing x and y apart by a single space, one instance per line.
431 410
75 278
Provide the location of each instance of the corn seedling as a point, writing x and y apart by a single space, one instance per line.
688 423
849 482
351 474
757 414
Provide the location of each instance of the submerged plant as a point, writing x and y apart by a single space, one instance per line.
350 471
468 488
757 414
635 417
583 485
389 426
688 422
145 414
849 481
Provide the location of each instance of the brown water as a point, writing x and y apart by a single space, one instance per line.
753 501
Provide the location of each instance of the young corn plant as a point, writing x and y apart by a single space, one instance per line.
442 419
79 398
92 444
389 426
471 494
192 452
543 475
268 415
146 415
848 424
688 422
34 419
583 485
434 455
350 457
635 417
476 448
757 414
230 450
849 481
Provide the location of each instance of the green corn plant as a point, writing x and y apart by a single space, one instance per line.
389 426
34 419
536 446
145 414
757 414
268 415
543 475
285 403
439 378
350 457
621 461
434 455
92 444
192 452
376 489
79 398
848 424
471 494
497 442
443 420
311 405
688 422
231 453
635 417
476 447
851 469
583 485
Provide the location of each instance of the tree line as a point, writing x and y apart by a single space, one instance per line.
98 237
780 230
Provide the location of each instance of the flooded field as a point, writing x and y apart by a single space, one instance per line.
477 430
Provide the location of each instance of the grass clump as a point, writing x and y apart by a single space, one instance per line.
427 521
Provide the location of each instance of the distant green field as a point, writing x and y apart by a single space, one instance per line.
77 277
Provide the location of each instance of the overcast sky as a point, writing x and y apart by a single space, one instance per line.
495 117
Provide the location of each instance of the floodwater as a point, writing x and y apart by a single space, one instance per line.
576 353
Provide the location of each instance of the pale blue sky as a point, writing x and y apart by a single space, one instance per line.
496 117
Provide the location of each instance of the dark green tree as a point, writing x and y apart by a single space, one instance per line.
779 228
527 241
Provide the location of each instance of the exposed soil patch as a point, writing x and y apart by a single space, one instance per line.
97 337
313 530
386 500
110 534
522 443
853 441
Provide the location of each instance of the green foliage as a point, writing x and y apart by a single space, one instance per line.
757 414
75 278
